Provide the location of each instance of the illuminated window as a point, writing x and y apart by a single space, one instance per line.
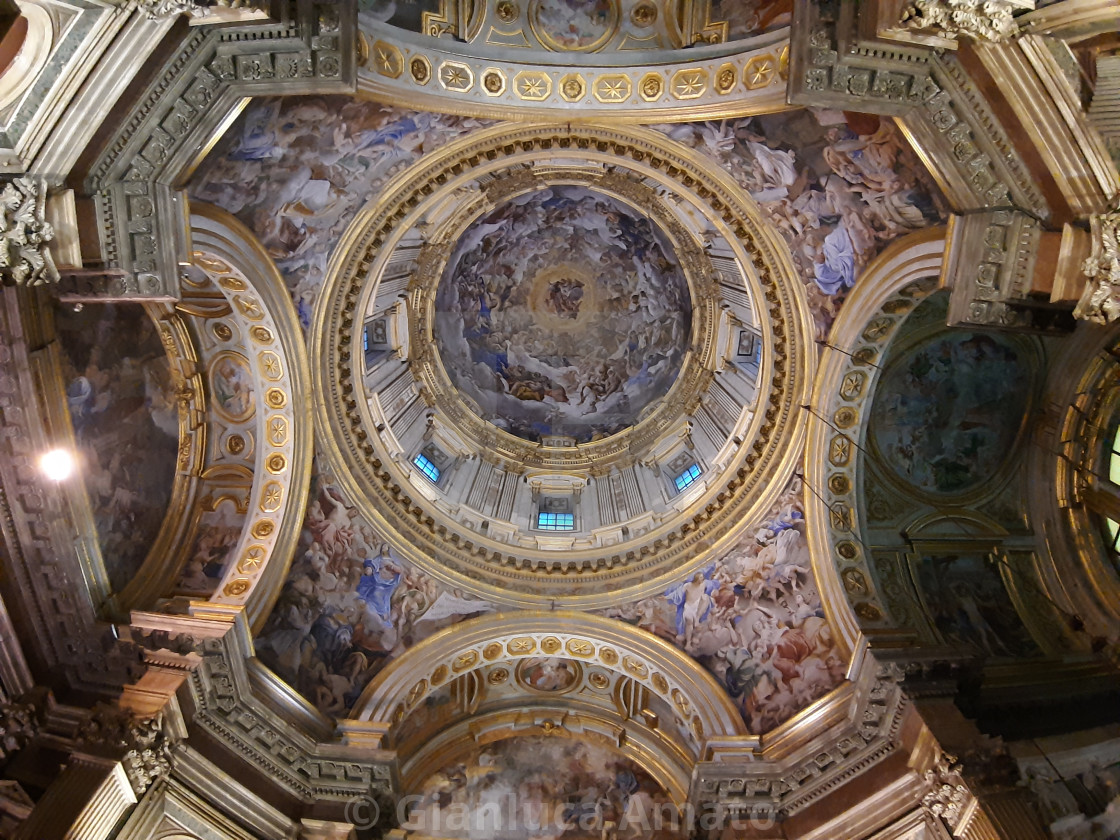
556 521
427 467
687 477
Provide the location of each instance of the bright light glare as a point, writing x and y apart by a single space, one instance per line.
57 465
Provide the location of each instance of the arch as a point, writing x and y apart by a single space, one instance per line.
31 56
258 301
888 290
711 723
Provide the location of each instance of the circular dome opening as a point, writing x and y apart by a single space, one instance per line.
562 313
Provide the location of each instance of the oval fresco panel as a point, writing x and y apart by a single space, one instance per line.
549 673
947 413
231 387
574 24
562 312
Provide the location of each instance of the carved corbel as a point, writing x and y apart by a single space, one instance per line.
997 264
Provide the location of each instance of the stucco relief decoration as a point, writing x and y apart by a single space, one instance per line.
159 9
25 232
1100 302
948 795
562 312
983 20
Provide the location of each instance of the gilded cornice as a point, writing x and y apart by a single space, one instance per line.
778 774
155 574
1087 380
474 561
704 710
253 719
703 82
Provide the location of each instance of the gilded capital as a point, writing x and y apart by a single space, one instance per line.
1100 302
25 233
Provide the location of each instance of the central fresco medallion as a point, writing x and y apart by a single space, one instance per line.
562 313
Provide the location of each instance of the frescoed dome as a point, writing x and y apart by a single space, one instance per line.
563 312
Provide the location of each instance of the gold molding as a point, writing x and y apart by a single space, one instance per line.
499 571
831 511
283 427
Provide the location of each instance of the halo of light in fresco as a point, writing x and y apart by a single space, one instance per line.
562 312
947 412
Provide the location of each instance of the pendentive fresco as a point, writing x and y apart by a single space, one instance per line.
837 186
754 618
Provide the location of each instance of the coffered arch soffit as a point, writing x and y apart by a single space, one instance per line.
385 242
707 81
262 454
630 670
889 290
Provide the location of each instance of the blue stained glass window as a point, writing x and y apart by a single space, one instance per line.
687 477
427 467
556 521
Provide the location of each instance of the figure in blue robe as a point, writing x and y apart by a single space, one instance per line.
693 600
376 589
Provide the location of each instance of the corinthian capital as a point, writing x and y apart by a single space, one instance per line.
983 20
1100 301
25 232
